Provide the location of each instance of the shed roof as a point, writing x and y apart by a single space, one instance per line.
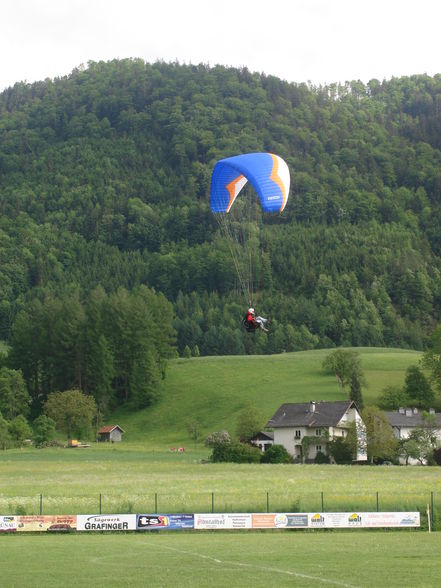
310 414
110 428
263 436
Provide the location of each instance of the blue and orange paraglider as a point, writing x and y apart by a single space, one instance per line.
240 217
267 173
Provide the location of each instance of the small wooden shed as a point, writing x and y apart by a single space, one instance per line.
112 433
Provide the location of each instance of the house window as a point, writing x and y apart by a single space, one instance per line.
298 433
318 448
343 433
318 432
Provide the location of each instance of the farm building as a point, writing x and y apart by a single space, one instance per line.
405 420
112 433
319 421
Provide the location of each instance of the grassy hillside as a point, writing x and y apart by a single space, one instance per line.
213 390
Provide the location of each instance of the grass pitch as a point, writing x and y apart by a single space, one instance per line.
299 558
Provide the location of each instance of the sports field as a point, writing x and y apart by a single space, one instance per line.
179 559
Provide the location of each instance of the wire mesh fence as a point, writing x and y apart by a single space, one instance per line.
225 502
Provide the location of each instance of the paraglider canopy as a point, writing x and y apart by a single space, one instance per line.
266 172
266 175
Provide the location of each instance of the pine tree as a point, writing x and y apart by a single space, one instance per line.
355 393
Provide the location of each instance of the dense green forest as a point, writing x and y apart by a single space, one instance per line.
104 188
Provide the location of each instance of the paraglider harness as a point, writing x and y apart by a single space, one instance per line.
249 321
252 322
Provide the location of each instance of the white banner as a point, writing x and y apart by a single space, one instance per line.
112 522
347 520
222 521
8 523
319 520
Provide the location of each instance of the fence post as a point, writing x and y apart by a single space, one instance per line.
432 515
378 504
156 503
212 502
41 504
100 502
323 503
267 502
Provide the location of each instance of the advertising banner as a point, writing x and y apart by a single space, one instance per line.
146 522
391 519
46 522
223 521
112 522
8 523
280 521
347 520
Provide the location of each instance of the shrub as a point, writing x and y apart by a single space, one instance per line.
235 452
321 458
437 456
276 454
19 430
218 438
44 429
340 450
5 438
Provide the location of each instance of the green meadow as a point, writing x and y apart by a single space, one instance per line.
132 480
211 391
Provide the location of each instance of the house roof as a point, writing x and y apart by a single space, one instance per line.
110 428
325 414
408 417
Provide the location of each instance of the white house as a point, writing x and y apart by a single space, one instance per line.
319 420
404 420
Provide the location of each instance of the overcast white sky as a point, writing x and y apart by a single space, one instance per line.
321 41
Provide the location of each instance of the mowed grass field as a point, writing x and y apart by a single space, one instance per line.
220 559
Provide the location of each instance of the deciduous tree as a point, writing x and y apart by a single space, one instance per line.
72 411
418 388
381 441
14 397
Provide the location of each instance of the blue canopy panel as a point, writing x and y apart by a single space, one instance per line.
266 172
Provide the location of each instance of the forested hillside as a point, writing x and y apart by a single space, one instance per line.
104 183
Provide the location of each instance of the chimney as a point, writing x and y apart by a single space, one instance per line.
408 412
431 411
415 411
312 406
401 410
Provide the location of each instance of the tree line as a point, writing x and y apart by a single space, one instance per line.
104 179
113 347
